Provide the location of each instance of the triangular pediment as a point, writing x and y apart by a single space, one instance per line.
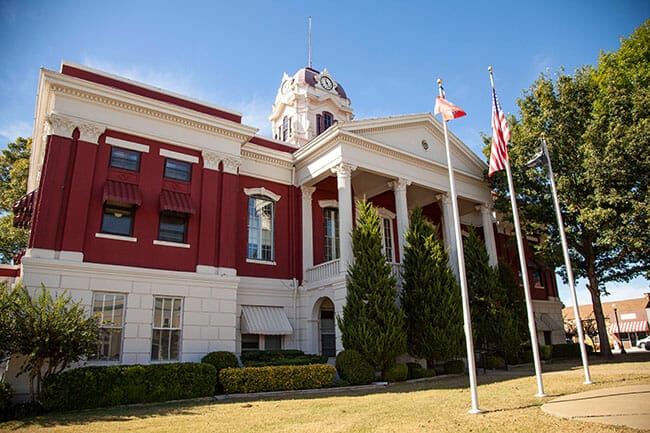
419 135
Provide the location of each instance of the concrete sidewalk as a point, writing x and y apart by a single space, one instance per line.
625 405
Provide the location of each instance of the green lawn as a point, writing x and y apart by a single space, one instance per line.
437 405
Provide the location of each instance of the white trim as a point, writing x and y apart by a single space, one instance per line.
385 213
328 203
127 144
116 237
262 191
261 262
170 244
179 156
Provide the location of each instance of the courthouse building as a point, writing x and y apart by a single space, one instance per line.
191 233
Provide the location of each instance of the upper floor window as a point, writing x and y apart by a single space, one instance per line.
125 159
323 121
117 218
286 128
166 336
110 307
331 233
261 212
178 170
172 227
387 239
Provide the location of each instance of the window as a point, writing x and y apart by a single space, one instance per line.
172 227
387 238
286 128
117 219
110 308
250 342
323 121
166 338
331 233
125 159
260 342
273 342
260 228
327 330
178 170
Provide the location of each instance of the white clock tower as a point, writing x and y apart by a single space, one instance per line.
306 105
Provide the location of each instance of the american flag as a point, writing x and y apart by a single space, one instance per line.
500 137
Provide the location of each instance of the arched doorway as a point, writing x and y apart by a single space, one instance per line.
327 328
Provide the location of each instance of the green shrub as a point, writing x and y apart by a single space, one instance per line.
220 360
420 372
268 355
276 378
91 387
455 366
297 360
494 362
5 396
566 351
353 368
546 352
396 373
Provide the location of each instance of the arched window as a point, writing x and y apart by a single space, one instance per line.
323 121
331 233
261 223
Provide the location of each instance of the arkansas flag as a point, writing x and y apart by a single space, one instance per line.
448 110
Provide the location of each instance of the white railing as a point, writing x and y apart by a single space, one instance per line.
323 271
397 268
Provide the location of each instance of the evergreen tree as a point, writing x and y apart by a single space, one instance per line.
372 323
430 297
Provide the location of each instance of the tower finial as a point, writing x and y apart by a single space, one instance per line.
310 41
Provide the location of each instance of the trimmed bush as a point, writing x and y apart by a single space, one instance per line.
220 360
545 352
570 351
353 368
494 362
455 366
91 387
268 355
276 378
396 373
298 360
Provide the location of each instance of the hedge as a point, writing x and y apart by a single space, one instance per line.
91 387
262 358
5 397
494 362
455 366
353 369
396 373
220 360
568 350
276 378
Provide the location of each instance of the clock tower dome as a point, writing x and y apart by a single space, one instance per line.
306 105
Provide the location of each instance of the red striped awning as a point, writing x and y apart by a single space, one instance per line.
24 209
122 193
630 326
176 202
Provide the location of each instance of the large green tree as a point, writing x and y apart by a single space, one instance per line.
597 126
430 296
372 323
14 169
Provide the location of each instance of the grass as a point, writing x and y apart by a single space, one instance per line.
437 405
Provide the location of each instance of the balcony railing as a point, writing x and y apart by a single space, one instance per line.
323 271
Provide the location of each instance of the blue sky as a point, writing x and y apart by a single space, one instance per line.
386 54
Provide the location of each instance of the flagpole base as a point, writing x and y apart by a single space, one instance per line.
540 395
587 382
475 411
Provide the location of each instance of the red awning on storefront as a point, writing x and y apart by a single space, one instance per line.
630 326
24 209
121 192
176 202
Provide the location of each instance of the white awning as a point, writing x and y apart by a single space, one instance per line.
264 320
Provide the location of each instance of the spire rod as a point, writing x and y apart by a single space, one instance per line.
310 41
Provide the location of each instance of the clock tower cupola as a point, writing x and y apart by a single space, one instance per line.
307 104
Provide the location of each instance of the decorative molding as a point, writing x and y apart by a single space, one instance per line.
142 148
179 156
483 208
344 169
385 213
90 132
170 244
211 160
399 185
328 203
307 191
266 159
264 192
116 237
231 165
444 198
59 125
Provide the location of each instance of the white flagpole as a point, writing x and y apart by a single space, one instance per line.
467 321
524 276
569 268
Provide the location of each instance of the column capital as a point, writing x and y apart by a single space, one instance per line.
307 191
90 132
211 160
444 198
56 124
399 184
483 208
344 169
231 164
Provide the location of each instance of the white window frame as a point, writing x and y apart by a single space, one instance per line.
261 194
387 217
107 325
163 329
333 242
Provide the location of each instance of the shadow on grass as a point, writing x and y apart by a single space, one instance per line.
189 407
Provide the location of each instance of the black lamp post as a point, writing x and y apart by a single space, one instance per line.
618 329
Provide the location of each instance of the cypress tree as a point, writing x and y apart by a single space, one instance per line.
430 297
372 323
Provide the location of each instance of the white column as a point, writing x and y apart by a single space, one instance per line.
401 208
307 230
448 231
344 183
488 233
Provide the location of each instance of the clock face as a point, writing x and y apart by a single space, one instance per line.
326 82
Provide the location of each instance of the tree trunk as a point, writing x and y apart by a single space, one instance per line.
598 315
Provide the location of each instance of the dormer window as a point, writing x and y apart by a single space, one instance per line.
285 130
323 121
